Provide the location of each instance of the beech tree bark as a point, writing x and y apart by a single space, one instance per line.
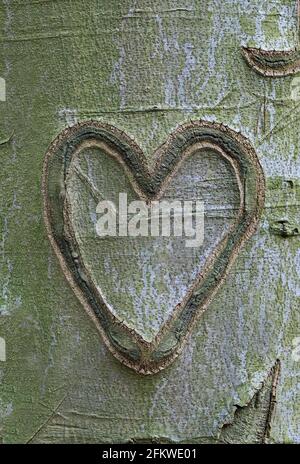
147 67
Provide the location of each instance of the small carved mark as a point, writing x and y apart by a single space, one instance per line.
289 183
284 228
273 63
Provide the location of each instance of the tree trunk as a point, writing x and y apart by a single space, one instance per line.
148 68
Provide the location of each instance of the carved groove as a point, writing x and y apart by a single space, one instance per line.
272 63
126 344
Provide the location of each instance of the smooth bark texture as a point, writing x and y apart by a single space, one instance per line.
147 67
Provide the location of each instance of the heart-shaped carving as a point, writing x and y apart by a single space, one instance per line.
145 293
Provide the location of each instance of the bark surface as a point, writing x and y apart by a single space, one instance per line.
146 67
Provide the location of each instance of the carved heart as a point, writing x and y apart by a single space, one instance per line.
145 293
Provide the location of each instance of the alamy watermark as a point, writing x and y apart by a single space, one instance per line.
139 218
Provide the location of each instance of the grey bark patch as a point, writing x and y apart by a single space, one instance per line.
251 423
